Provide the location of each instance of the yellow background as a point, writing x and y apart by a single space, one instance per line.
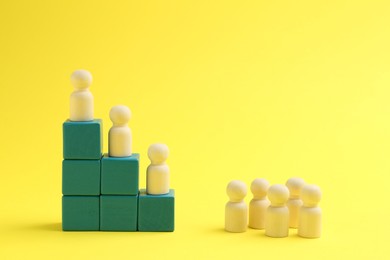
237 89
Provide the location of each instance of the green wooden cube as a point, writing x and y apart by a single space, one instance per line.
80 213
156 212
81 177
82 140
119 175
118 212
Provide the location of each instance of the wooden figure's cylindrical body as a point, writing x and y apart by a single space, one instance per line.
236 217
276 221
293 207
157 179
120 141
310 222
257 211
81 105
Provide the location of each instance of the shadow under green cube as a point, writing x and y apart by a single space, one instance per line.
81 177
156 212
118 212
119 175
82 140
80 213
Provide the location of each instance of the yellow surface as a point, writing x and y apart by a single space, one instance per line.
238 90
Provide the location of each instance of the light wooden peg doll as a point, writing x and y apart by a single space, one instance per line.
259 204
119 136
310 214
236 211
294 203
81 99
157 173
277 217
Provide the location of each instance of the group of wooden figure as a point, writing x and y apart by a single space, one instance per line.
120 135
274 208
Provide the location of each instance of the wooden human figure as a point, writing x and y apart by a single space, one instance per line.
119 136
157 173
310 214
294 203
236 210
259 204
277 217
81 99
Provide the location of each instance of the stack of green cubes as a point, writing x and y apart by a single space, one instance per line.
102 192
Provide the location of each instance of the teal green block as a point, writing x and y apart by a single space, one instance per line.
156 212
82 140
120 175
118 213
80 213
81 177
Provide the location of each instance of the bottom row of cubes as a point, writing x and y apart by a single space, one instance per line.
141 212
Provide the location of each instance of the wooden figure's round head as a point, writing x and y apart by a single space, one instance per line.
81 79
120 115
295 186
311 195
259 188
278 194
236 190
158 153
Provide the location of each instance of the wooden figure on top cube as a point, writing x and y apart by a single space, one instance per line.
81 100
120 136
157 174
